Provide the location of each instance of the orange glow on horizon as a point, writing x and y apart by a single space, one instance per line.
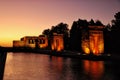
20 18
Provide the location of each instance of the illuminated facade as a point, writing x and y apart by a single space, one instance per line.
95 43
17 43
29 41
57 42
42 41
32 42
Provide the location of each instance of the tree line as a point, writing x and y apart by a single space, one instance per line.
73 37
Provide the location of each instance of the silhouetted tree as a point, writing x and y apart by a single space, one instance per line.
74 33
78 28
61 28
46 32
98 23
80 31
95 23
107 39
91 22
115 33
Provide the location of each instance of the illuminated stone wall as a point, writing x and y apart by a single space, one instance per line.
95 43
18 43
57 42
43 41
32 42
86 46
29 41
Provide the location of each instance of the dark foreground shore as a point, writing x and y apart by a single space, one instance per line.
65 53
3 55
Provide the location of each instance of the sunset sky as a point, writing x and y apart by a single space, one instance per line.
20 18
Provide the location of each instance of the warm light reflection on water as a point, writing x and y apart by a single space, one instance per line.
94 69
30 66
57 63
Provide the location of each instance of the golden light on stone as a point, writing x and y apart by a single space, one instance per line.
57 42
87 50
85 47
43 41
95 43
30 41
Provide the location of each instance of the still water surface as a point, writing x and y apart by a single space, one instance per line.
23 66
